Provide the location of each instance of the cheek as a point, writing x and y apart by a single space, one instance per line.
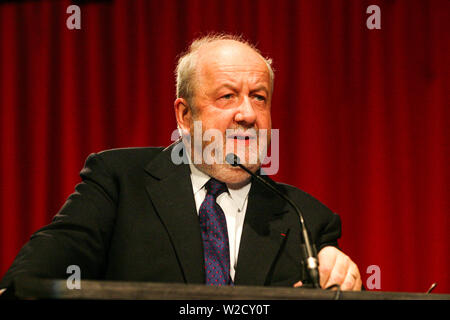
264 120
219 120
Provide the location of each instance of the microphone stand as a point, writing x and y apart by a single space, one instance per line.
310 257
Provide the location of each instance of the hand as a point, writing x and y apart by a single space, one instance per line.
335 267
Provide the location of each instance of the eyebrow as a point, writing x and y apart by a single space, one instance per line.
261 88
232 87
228 86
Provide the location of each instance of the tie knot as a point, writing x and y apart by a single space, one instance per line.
215 187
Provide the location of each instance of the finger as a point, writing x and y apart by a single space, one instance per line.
298 284
326 263
339 271
358 282
358 285
352 278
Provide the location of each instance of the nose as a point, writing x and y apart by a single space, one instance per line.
245 114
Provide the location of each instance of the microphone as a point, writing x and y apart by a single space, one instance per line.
310 256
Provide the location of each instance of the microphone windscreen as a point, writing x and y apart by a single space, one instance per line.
232 159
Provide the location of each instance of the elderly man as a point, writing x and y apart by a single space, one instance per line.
139 216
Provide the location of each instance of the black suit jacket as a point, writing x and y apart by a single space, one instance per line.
133 218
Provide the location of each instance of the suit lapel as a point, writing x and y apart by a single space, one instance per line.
170 191
263 234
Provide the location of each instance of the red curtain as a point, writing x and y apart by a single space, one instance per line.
363 114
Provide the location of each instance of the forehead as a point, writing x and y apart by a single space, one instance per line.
230 58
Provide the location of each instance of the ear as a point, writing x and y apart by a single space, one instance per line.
183 114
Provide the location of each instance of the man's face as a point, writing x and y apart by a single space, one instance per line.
233 96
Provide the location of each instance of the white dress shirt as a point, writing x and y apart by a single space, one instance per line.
234 206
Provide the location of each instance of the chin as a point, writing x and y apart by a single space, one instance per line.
234 177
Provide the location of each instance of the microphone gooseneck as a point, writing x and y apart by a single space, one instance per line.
310 257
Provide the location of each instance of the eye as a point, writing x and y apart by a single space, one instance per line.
260 97
227 96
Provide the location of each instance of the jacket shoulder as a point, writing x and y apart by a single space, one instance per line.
302 196
126 157
324 224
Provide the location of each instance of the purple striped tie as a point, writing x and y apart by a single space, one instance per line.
215 236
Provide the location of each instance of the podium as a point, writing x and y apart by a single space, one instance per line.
33 288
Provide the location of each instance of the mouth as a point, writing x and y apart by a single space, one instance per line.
241 138
244 137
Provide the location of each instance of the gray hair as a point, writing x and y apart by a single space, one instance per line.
187 64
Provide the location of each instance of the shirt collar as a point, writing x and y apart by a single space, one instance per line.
199 179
